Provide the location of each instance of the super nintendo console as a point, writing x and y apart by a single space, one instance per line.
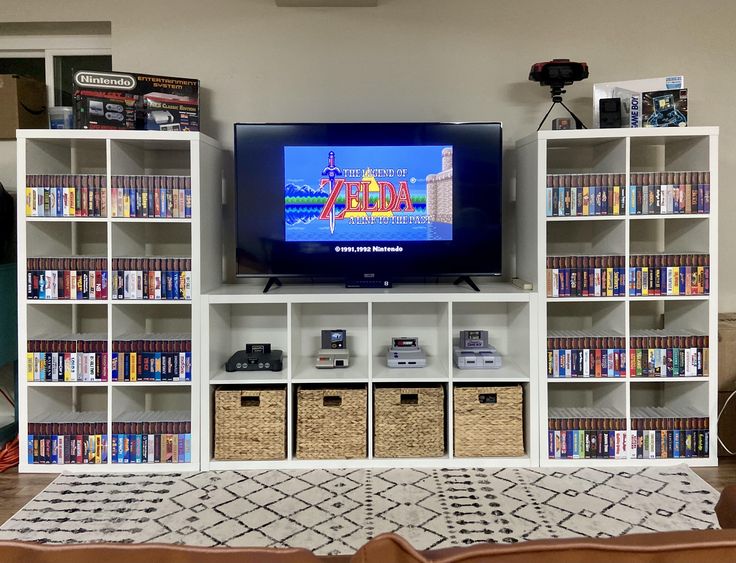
405 352
474 351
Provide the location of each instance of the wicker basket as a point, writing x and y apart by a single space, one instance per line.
489 421
331 423
409 422
250 424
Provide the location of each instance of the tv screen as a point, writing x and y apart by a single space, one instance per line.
390 200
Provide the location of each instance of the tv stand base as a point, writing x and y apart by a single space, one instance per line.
468 280
270 283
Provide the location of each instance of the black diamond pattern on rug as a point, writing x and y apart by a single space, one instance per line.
337 511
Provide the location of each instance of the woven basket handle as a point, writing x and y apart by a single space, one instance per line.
250 399
409 397
487 398
332 401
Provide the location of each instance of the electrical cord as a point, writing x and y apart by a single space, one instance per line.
723 408
9 455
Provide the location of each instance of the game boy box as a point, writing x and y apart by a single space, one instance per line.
125 100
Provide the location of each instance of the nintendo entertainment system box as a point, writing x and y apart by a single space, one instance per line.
124 100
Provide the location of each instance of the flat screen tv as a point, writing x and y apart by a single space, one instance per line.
351 201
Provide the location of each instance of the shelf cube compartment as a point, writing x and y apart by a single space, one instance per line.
66 343
508 326
66 238
250 423
585 237
308 320
152 425
409 421
66 156
66 318
67 425
599 394
660 235
586 420
670 153
670 339
151 240
151 157
426 320
231 326
587 333
331 422
140 331
586 156
488 421
45 402
669 419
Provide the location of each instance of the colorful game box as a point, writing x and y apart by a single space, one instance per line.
664 108
121 100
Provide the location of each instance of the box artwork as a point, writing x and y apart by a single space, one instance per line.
119 100
664 108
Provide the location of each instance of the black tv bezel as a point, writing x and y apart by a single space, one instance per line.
369 275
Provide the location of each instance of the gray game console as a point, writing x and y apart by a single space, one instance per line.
332 359
405 352
333 352
474 351
483 358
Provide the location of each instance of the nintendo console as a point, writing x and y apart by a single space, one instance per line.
333 352
256 357
474 351
405 352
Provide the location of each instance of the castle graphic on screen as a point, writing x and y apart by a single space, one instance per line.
368 193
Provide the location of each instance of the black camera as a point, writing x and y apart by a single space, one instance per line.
558 73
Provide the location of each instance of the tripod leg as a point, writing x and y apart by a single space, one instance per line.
578 122
546 114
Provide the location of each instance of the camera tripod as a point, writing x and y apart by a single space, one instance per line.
556 92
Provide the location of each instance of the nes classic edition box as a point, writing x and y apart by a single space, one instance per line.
124 100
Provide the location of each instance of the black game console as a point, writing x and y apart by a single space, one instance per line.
255 357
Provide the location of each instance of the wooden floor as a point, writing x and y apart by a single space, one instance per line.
719 477
16 490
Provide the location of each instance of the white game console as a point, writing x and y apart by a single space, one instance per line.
405 352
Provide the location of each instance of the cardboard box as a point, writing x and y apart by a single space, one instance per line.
727 352
727 424
22 105
97 109
629 91
169 104
123 100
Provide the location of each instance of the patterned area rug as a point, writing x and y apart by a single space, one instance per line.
334 512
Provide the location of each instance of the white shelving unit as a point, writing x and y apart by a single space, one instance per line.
291 318
118 153
619 151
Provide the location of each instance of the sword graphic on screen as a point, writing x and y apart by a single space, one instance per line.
331 171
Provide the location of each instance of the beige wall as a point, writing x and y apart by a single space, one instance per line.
423 60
